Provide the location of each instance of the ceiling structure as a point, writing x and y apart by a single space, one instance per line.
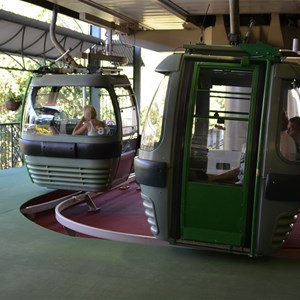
164 24
31 39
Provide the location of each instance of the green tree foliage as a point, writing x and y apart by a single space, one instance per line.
13 85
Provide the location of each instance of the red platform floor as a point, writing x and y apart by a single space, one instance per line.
121 210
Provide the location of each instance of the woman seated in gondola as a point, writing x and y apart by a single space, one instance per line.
89 124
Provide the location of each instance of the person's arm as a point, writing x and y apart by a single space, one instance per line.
229 175
80 127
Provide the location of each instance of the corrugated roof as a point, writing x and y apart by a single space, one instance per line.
31 38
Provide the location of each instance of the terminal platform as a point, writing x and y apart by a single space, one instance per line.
45 262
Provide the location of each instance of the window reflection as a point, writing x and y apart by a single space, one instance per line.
154 120
290 127
57 110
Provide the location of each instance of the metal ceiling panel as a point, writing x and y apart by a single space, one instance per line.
221 7
167 14
149 14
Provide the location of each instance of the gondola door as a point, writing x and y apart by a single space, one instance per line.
220 154
130 130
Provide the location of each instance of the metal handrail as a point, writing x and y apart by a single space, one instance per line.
10 153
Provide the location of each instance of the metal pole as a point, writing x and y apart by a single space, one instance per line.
234 13
109 42
56 43
137 63
295 44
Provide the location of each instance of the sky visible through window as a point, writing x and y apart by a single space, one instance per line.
44 15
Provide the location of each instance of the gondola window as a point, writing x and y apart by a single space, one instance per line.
153 127
220 125
54 110
289 129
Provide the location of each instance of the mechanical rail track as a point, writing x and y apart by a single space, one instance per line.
73 227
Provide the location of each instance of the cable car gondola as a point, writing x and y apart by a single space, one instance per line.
218 112
54 105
